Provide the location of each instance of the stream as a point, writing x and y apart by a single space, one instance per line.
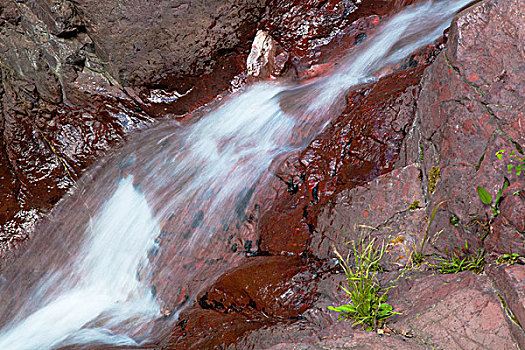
101 269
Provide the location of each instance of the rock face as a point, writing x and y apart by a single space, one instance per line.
432 151
149 44
83 75
78 77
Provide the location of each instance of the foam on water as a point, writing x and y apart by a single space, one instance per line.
105 282
99 291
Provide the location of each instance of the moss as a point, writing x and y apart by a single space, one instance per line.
414 205
433 177
421 151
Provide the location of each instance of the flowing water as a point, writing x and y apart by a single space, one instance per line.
104 266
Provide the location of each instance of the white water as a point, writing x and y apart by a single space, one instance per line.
96 288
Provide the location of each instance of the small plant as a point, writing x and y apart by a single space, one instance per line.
462 261
433 176
414 205
515 158
486 198
368 306
418 256
454 220
510 259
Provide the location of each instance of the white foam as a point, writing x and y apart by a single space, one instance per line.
217 158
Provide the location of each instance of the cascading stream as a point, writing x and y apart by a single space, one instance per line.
88 275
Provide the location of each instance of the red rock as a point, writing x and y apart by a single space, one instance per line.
90 74
386 201
262 292
459 126
453 311
510 282
359 145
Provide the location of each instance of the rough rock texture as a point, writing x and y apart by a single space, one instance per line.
262 292
462 312
313 32
442 142
148 43
470 106
77 77
394 215
461 107
384 110
362 143
371 167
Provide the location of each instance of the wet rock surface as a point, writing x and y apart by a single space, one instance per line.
459 125
313 32
262 292
362 143
78 78
375 165
438 145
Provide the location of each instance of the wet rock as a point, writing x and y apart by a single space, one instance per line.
208 329
314 32
272 286
188 51
468 107
319 329
152 43
359 145
78 78
261 292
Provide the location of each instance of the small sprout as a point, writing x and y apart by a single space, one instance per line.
421 151
515 158
486 198
509 259
414 205
454 220
417 256
462 261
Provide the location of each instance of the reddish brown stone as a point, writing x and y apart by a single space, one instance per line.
510 281
453 311
315 32
359 145
262 292
78 78
381 208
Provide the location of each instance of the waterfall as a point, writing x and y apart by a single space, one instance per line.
102 268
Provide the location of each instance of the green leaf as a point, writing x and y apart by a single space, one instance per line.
385 306
484 195
342 308
506 184
499 153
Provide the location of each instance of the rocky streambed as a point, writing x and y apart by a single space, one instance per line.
77 79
